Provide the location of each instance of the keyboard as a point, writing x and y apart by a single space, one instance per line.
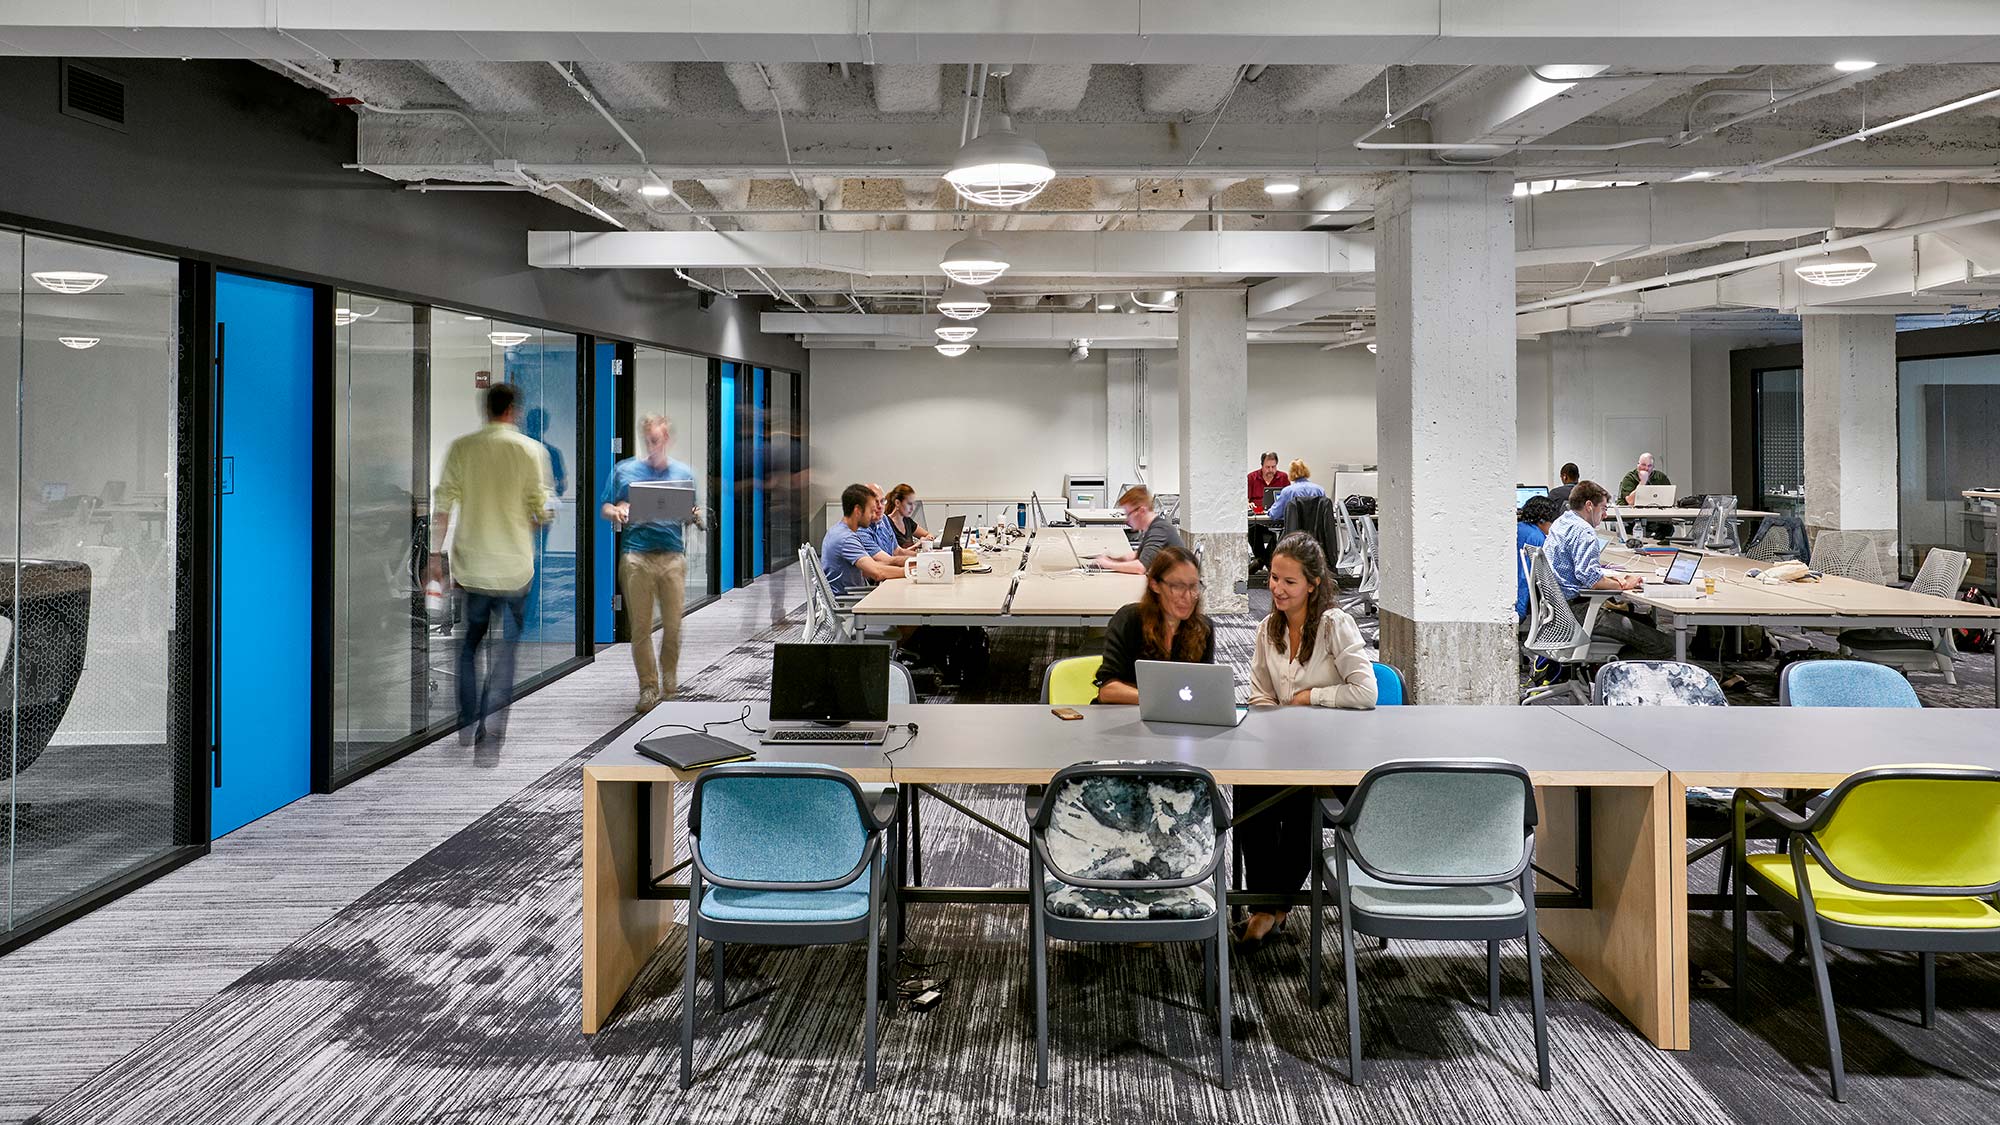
784 735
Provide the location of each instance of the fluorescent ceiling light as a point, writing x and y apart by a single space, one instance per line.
954 332
1106 303
973 260
655 191
80 343
1281 185
69 281
1155 300
1836 267
508 339
963 302
470 316
1851 66
953 350
1697 174
1000 168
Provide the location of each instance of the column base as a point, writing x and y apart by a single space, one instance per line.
1225 561
1452 661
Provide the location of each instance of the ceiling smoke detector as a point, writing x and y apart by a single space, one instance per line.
973 260
69 281
79 343
508 339
953 351
953 332
963 302
1837 267
1000 168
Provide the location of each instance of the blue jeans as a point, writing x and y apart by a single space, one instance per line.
477 701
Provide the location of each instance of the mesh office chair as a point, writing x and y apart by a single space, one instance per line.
1352 556
1901 858
1554 633
1715 526
1439 850
1130 852
1917 650
796 855
1843 683
1848 554
1371 562
829 616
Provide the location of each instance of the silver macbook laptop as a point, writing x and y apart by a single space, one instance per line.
662 501
1678 581
1653 496
1174 692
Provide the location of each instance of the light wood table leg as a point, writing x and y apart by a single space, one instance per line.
621 931
1632 943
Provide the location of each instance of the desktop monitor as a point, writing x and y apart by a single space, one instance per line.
1525 492
829 684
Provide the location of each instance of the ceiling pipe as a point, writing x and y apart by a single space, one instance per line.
1970 218
1864 134
1740 72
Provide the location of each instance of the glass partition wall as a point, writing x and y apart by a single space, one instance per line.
1948 413
676 386
92 757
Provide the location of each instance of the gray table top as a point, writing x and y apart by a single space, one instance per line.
1742 743
1024 743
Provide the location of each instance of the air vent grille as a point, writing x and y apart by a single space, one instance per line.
91 95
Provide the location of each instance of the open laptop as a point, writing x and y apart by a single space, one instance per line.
954 526
1270 496
1678 582
1526 492
1174 692
662 501
823 694
1653 496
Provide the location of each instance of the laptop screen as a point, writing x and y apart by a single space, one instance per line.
1526 492
829 683
953 526
1680 572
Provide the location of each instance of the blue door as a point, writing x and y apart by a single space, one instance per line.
264 578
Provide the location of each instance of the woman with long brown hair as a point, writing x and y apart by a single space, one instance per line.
1309 654
900 508
1166 623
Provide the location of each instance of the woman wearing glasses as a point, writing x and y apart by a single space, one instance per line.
1166 623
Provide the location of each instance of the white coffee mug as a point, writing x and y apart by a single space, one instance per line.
928 566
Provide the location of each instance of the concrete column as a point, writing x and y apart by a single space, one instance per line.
1850 419
1445 419
1214 431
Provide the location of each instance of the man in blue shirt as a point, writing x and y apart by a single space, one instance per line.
849 555
1530 531
1575 554
881 534
652 572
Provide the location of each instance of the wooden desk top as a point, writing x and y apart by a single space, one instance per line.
1794 746
1630 511
1025 744
1981 494
1066 592
967 593
1050 549
1830 595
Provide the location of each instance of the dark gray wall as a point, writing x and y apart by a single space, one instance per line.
229 161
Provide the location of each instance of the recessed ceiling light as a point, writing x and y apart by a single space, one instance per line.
1281 185
80 343
1837 267
508 339
953 350
655 191
469 316
955 332
1371 348
1850 66
69 281
1106 303
973 260
1697 174
963 302
1000 168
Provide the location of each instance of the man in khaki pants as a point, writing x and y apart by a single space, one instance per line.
653 570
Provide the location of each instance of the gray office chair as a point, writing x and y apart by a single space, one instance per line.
1848 554
1715 526
1131 852
1554 633
1435 850
829 616
1916 650
1351 557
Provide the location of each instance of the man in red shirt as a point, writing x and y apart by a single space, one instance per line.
1267 474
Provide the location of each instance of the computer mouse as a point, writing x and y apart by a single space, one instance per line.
1752 572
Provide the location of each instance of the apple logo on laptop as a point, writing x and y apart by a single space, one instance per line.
1187 694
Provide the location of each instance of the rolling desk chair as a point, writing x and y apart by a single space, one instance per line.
1555 634
1916 650
46 649
1843 683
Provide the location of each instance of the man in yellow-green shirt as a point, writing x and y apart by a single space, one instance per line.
498 481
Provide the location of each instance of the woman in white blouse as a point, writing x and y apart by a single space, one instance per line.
1309 654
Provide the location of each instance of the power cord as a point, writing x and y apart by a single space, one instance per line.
744 718
890 755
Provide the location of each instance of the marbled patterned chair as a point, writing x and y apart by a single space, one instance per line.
1130 852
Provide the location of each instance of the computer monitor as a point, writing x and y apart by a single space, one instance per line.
1270 496
829 684
1525 492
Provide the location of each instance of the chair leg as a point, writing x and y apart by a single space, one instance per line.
1227 1021
916 837
1038 971
1824 986
716 959
874 981
1353 1001
687 991
1928 961
1535 998
1314 990
1739 936
1493 977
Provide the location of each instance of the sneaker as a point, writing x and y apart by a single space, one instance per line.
648 699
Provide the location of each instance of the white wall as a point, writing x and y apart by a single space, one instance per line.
1604 390
1314 405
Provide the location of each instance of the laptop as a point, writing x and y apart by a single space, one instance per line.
954 526
1526 492
1270 496
1653 496
662 501
828 694
1678 583
1174 692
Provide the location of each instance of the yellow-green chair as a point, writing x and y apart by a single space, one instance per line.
1898 858
1072 682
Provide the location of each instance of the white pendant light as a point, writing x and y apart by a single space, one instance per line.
80 343
69 281
1281 185
508 339
1836 267
973 260
952 351
1000 168
953 332
963 302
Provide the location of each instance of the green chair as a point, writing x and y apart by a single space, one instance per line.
1897 858
1071 682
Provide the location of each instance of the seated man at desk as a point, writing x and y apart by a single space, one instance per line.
1575 554
849 554
1265 477
1154 534
880 533
1639 476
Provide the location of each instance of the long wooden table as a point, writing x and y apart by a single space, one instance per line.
1831 602
1621 941
1619 513
1033 587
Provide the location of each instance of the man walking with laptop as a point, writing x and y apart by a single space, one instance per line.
652 572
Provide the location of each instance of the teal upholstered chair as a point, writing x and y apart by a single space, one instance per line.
1129 852
788 854
1388 686
1439 849
1844 683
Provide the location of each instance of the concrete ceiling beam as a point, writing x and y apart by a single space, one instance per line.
1515 106
504 89
1048 88
1319 89
633 87
908 87
1186 89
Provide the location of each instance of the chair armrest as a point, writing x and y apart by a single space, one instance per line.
883 809
1775 810
1597 600
1332 809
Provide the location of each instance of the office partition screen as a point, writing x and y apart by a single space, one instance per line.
1948 415
92 753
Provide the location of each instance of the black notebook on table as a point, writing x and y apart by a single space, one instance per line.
693 751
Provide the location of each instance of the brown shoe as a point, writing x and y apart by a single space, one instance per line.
648 699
